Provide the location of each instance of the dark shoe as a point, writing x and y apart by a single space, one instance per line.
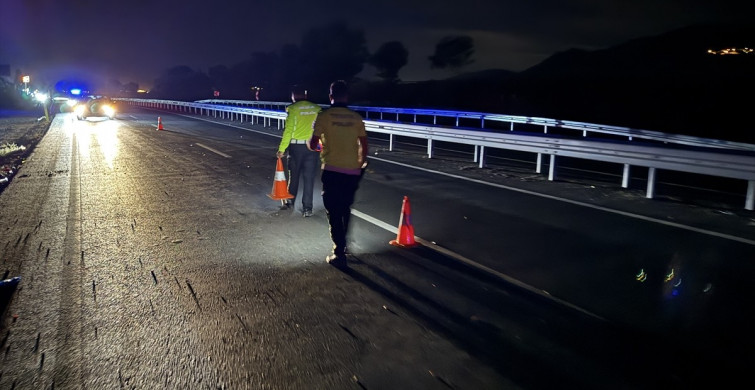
286 204
307 213
337 261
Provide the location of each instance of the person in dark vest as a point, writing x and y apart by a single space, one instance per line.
344 154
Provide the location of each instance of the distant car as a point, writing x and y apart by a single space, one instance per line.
95 106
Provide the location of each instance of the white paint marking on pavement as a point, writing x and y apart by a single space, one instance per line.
212 150
583 204
574 202
474 264
232 125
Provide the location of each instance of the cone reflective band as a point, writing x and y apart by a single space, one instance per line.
280 188
405 235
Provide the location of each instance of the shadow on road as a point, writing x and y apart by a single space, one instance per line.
532 340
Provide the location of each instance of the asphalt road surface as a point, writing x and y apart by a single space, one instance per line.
155 259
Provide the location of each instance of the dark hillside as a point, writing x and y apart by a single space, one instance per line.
668 83
665 83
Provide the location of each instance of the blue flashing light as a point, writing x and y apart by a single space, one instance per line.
76 91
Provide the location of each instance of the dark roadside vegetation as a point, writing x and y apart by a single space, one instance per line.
668 83
22 125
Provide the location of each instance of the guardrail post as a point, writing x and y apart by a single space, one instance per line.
651 183
476 148
430 148
390 142
750 201
552 168
625 177
539 163
482 155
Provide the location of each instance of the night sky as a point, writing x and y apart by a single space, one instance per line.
135 41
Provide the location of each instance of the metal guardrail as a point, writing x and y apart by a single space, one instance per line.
379 113
709 157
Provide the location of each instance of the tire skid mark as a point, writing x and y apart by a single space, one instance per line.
36 343
193 294
243 324
348 331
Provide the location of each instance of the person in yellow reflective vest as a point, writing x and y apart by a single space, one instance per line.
344 158
303 164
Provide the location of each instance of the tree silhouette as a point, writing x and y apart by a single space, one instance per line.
183 83
326 53
453 52
332 52
388 59
130 88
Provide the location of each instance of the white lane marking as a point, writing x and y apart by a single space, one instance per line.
483 268
471 263
231 125
578 203
212 150
583 204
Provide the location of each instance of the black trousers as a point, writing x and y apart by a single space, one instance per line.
338 191
302 165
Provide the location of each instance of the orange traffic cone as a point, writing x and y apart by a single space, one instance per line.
280 188
160 123
405 236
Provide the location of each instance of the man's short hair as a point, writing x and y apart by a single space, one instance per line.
339 89
298 90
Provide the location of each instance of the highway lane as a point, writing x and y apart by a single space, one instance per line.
667 278
182 254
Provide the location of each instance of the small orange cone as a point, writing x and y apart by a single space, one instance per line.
405 236
160 123
280 188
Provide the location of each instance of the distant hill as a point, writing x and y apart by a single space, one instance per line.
666 83
683 51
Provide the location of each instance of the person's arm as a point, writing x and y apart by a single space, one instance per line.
288 132
365 150
313 142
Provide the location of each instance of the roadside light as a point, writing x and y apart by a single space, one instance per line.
41 97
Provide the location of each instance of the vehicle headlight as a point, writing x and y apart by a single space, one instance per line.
108 110
79 110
